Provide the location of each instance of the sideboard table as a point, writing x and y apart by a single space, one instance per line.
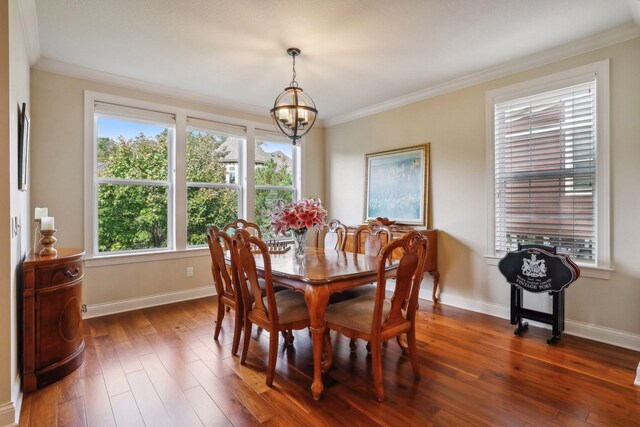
52 339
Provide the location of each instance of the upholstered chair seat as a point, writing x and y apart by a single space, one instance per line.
291 306
357 313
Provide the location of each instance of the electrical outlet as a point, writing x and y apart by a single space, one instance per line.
189 271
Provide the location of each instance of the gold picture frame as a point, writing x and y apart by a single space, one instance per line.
397 185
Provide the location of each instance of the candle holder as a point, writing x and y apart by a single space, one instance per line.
37 246
47 242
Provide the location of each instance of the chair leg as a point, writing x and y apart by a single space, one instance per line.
245 343
376 365
413 352
290 337
368 347
402 342
237 329
353 345
273 356
228 309
328 351
219 318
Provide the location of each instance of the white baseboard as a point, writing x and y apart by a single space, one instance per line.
10 411
572 327
103 309
637 381
8 414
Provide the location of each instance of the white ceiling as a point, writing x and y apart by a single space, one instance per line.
355 53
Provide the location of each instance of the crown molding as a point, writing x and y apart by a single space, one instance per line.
594 42
29 19
76 71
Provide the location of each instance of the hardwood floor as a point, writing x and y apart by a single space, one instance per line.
161 367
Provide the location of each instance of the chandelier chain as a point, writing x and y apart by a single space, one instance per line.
294 83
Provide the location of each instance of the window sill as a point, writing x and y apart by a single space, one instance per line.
133 258
585 270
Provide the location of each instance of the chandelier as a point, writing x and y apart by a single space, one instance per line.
294 112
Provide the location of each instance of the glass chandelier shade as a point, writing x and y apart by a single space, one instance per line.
294 112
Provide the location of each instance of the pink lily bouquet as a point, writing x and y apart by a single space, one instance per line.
298 216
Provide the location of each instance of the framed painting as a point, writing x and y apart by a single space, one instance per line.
23 148
397 185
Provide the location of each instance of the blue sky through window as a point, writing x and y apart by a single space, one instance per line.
114 128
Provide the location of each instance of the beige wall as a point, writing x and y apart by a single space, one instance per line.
14 90
58 177
454 123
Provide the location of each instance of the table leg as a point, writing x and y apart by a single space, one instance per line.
317 298
436 282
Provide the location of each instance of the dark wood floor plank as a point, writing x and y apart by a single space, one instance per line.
206 408
162 366
169 391
70 387
233 409
44 407
71 413
151 408
125 410
96 402
113 374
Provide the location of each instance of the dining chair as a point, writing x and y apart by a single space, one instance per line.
241 224
368 239
225 280
274 312
375 236
336 236
378 319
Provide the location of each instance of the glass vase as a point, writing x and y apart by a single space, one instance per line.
300 243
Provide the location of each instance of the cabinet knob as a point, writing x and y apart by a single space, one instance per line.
73 273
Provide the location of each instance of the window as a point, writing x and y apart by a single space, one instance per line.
275 161
213 195
548 177
158 176
133 179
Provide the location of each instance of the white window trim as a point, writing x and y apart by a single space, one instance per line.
565 78
177 226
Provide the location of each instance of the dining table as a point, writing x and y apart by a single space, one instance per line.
321 273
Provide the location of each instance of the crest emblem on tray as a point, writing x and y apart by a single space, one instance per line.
534 267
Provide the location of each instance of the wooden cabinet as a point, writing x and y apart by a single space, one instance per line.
398 231
52 339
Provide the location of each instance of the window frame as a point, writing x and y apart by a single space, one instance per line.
296 186
599 70
177 246
235 186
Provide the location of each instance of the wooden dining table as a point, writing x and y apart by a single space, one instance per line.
321 273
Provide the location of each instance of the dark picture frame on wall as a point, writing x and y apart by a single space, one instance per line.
397 185
23 147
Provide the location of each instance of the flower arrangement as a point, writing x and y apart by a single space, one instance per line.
298 216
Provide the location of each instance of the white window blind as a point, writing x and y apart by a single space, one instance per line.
222 129
104 109
545 171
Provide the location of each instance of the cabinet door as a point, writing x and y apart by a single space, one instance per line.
59 323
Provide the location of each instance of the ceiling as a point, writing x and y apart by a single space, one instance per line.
355 53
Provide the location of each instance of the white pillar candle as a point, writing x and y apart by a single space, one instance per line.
47 223
41 213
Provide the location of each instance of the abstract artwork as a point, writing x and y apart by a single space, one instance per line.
397 184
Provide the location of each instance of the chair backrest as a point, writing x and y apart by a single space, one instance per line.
376 236
241 224
336 236
413 246
225 283
250 287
